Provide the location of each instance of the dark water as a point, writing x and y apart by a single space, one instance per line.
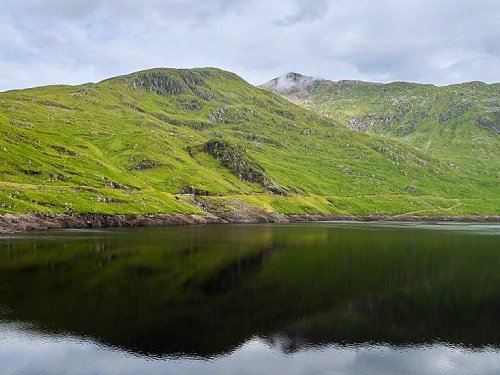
324 298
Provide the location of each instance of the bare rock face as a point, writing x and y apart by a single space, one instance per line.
193 191
193 105
159 83
10 223
244 213
492 122
234 158
369 122
218 115
143 164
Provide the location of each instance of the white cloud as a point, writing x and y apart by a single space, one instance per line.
58 41
23 351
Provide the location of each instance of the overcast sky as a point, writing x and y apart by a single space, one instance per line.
76 41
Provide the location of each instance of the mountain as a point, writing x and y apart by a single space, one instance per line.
193 141
291 84
454 123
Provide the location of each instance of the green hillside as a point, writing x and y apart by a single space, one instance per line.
192 141
458 124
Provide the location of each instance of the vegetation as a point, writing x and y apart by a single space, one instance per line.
139 143
458 124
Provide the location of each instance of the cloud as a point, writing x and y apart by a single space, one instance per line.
23 351
306 11
59 41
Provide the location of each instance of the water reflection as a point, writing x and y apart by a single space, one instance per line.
23 351
324 297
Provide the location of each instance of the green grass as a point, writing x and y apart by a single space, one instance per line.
458 124
125 145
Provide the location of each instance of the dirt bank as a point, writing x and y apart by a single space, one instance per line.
11 223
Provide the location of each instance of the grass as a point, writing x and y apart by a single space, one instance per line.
458 124
125 145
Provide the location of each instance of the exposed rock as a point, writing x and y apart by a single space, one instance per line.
23 124
308 131
11 223
218 115
205 94
57 177
193 191
193 105
233 157
191 78
283 113
369 122
453 111
160 83
29 172
105 199
345 169
410 188
490 122
50 103
117 185
143 164
64 150
135 107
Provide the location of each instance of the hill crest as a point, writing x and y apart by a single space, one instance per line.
202 141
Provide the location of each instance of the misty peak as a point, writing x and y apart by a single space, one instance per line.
289 82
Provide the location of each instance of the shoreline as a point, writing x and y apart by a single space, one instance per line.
21 223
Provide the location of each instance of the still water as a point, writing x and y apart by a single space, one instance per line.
316 298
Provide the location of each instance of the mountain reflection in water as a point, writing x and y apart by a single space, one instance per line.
322 294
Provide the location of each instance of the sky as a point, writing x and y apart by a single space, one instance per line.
77 41
25 351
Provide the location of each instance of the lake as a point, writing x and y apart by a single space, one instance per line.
314 298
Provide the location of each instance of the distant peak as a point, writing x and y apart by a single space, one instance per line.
289 82
293 76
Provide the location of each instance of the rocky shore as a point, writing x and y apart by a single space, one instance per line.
18 223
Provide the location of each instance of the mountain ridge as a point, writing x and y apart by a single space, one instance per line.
378 102
204 141
340 81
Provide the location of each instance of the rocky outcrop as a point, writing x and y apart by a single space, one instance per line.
143 164
167 82
193 191
218 115
491 122
160 83
369 122
192 105
13 223
234 158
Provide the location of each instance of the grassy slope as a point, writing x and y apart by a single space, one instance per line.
122 146
457 124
